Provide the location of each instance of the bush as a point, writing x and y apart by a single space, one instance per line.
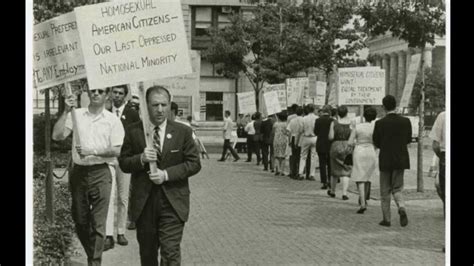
53 242
39 124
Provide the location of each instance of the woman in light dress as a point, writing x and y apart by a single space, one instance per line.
280 143
364 157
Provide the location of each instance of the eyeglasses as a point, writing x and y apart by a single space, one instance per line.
99 91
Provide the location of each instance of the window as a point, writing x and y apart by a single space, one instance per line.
214 106
203 18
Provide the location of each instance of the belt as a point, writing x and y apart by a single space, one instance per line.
92 166
309 136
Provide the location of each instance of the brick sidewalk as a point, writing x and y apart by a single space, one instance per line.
241 215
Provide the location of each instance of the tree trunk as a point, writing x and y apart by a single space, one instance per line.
49 165
419 174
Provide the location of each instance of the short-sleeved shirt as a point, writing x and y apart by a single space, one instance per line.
228 125
249 128
438 132
97 132
308 125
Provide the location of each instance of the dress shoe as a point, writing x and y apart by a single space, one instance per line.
344 197
121 240
109 243
311 178
324 187
361 210
221 160
403 217
265 169
131 226
385 223
248 161
277 173
332 195
272 170
235 160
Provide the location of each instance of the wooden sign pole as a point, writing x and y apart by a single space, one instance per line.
361 111
146 124
75 130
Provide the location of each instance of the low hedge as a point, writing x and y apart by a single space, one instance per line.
53 242
39 125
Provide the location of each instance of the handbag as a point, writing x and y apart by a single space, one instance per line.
348 159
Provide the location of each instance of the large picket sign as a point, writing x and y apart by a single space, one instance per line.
57 52
272 104
410 81
281 92
247 103
332 97
295 88
361 86
132 41
320 98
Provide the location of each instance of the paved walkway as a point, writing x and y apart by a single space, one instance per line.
241 215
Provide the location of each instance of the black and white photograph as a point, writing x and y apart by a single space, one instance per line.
238 132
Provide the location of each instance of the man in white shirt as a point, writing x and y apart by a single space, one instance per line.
250 129
308 144
295 128
227 130
101 137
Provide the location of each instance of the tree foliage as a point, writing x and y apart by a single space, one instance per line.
435 90
280 40
416 23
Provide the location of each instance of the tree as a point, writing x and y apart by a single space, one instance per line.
416 23
281 40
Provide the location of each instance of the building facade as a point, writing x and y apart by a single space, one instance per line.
394 55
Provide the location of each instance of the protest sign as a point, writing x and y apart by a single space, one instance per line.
295 88
332 98
247 103
312 85
361 86
57 52
410 81
272 103
281 92
132 41
183 85
320 98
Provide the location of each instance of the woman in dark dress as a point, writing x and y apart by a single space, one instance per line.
339 133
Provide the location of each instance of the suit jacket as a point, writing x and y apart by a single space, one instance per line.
258 130
321 130
129 116
180 159
266 130
392 134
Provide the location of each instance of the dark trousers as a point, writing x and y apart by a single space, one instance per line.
324 167
159 227
227 146
294 158
267 153
249 147
442 172
391 183
256 148
90 191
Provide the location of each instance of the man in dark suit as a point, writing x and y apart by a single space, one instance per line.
121 182
159 202
392 134
267 142
321 130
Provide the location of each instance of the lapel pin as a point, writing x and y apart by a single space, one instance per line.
123 117
168 136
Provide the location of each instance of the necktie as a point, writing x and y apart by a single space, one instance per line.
157 143
118 112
